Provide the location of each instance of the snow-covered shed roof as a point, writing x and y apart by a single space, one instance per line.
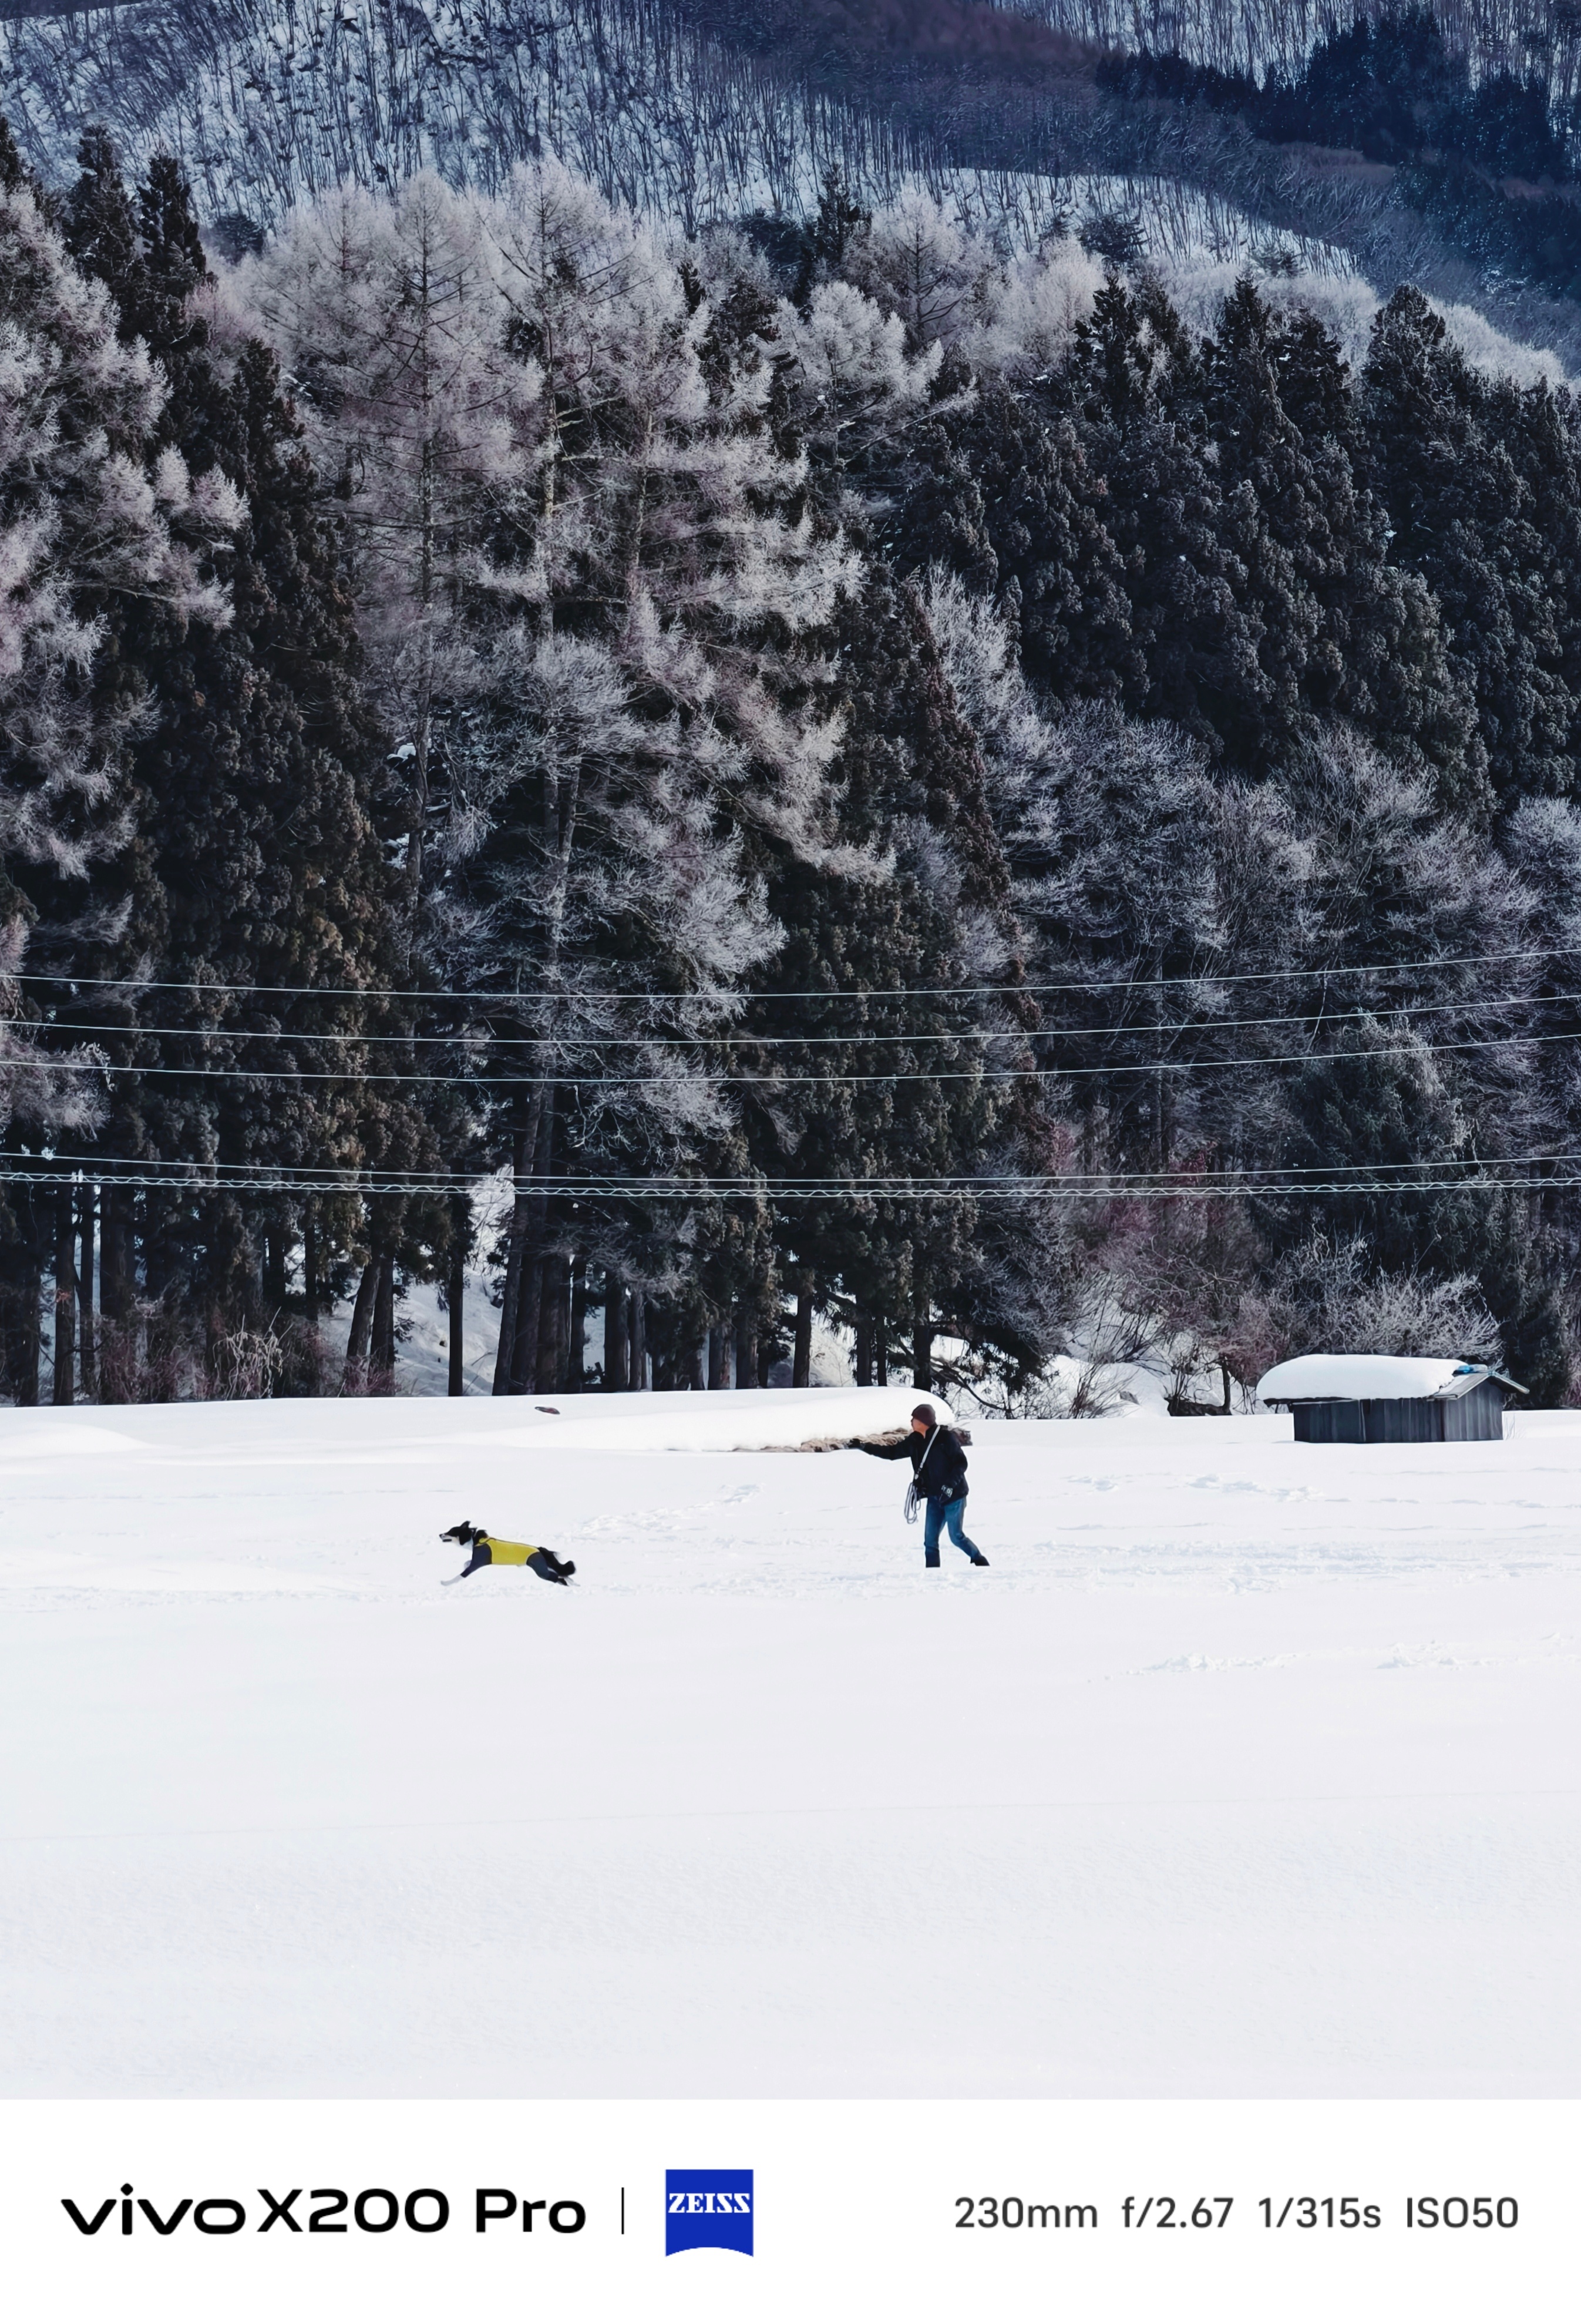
1324 1380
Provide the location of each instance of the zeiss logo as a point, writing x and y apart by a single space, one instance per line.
708 2207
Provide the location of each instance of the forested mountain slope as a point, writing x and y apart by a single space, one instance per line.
264 103
697 110
582 609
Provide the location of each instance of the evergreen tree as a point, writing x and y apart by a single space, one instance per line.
1208 585
1343 631
1005 496
86 539
889 1077
827 241
257 867
642 694
100 227
1397 888
1463 517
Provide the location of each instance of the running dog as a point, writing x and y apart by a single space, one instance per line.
488 1549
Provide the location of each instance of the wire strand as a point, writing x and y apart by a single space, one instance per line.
1233 1174
740 994
753 1041
1037 1191
777 1084
1317 1179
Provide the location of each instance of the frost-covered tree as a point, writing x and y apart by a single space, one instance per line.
1011 312
257 874
88 525
1469 522
387 316
1330 1292
1136 735
894 1055
632 591
855 390
96 522
1406 1068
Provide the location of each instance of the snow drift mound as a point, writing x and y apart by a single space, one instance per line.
766 1420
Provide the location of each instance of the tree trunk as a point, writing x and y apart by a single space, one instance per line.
563 1276
802 1365
715 1357
65 1297
455 1290
576 1350
310 1269
617 1359
529 1312
274 1270
88 1353
864 1352
515 1255
116 1257
639 1341
696 1378
25 1295
922 1353
880 1351
746 1349
1224 1375
383 1374
32 1295
530 1315
555 1323
116 1290
519 1331
354 1379
156 1242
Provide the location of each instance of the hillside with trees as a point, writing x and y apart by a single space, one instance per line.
864 773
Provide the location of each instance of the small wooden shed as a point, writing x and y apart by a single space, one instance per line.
1389 1399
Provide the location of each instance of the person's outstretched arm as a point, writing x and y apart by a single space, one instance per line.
900 1451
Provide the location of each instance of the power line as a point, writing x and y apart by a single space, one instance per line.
1317 1179
500 1001
776 1083
751 1040
1186 1174
1033 1191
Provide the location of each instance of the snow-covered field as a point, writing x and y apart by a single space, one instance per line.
1248 1767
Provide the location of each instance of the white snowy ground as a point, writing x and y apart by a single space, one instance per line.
1247 1768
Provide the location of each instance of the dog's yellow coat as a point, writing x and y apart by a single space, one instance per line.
508 1553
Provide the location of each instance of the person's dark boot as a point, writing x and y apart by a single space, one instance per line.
932 1563
980 1559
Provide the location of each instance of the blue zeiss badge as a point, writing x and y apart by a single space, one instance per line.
708 2207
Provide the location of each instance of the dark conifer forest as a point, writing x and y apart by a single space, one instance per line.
696 787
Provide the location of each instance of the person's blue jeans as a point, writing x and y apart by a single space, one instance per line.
952 1514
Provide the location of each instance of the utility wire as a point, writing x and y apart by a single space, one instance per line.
777 1082
1478 1174
846 1190
500 1001
600 1041
1242 1174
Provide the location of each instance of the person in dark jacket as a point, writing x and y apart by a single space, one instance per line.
938 1460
